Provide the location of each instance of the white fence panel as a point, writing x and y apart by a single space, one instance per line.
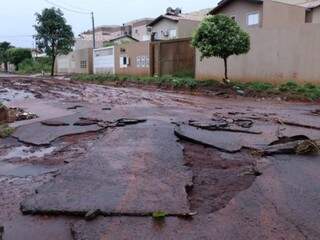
103 60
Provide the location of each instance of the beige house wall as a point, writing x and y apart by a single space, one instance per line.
86 43
164 25
240 9
133 51
277 14
186 28
293 1
140 32
71 63
276 55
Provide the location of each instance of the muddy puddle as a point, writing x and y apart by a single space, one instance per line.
8 95
19 170
25 152
10 168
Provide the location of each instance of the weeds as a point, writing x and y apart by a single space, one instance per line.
159 215
38 65
166 80
290 90
5 131
308 90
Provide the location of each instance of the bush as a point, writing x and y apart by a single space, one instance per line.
39 65
18 55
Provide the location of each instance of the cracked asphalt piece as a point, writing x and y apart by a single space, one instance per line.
223 140
26 133
130 171
294 147
214 125
270 209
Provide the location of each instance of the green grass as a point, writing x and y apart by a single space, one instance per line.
166 80
32 66
5 131
290 89
159 215
308 90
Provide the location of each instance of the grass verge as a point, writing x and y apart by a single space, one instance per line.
288 90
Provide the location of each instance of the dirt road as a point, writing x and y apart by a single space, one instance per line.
97 162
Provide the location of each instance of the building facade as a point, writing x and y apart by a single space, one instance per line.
174 25
284 43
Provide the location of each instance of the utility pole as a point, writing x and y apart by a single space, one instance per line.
93 31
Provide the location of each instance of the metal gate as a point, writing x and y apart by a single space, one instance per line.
103 60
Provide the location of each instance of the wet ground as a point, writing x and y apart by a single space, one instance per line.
99 161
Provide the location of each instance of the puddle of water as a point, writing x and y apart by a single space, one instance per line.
27 152
7 95
16 170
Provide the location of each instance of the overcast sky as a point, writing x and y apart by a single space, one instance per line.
17 16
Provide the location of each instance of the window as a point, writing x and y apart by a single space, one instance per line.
143 61
124 61
83 64
138 60
146 38
252 19
173 33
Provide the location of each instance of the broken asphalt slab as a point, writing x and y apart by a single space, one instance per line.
223 140
42 135
135 170
283 203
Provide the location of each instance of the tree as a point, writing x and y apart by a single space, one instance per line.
4 47
17 55
221 36
53 36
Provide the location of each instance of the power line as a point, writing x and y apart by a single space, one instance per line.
67 9
75 7
79 12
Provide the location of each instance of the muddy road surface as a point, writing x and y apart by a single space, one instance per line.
90 162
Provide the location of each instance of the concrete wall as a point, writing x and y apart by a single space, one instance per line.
186 28
136 52
140 32
293 1
173 56
86 43
276 14
240 9
71 63
276 55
